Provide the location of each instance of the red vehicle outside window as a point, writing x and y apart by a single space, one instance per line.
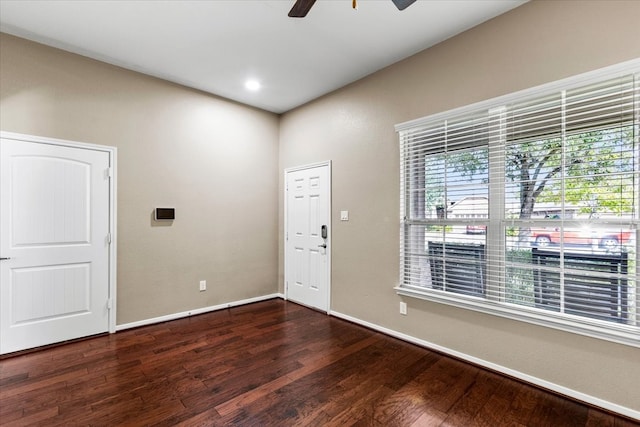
604 238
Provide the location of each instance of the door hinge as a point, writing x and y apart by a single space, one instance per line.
109 238
108 173
109 304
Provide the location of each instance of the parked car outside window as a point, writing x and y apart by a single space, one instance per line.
607 239
476 229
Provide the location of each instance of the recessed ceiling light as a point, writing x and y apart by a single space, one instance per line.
252 85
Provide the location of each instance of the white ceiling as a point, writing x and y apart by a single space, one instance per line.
216 45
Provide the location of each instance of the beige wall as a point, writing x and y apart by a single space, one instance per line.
213 160
539 42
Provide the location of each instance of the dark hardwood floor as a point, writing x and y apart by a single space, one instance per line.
272 363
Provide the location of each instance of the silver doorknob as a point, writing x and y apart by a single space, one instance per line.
3 258
324 245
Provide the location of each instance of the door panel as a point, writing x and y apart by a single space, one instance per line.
50 292
50 207
54 223
307 261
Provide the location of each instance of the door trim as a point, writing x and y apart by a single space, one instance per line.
113 209
329 241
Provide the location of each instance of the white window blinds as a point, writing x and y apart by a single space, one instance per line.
527 206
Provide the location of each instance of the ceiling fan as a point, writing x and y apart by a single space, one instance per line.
302 7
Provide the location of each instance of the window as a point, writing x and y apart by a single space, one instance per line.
526 206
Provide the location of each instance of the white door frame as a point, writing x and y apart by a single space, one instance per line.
329 240
112 151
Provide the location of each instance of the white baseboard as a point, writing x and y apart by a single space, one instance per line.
202 310
591 400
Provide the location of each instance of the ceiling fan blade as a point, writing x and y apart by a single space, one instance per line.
401 4
301 8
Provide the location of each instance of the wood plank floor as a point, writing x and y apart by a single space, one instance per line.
272 363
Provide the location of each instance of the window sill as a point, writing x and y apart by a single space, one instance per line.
620 334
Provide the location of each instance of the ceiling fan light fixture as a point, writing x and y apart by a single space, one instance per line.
403 4
301 7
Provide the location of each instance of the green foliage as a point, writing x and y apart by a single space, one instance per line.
593 169
439 228
598 172
519 280
471 164
512 231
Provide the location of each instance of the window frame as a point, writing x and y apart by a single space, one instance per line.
495 238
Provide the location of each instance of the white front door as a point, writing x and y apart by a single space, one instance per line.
54 240
307 235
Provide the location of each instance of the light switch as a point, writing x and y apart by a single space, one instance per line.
344 215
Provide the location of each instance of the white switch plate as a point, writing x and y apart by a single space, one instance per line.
403 308
344 215
203 285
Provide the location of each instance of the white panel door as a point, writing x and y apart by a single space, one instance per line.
307 252
54 225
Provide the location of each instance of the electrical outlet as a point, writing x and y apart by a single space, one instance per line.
203 285
403 308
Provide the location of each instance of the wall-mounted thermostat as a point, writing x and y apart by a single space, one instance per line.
165 214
